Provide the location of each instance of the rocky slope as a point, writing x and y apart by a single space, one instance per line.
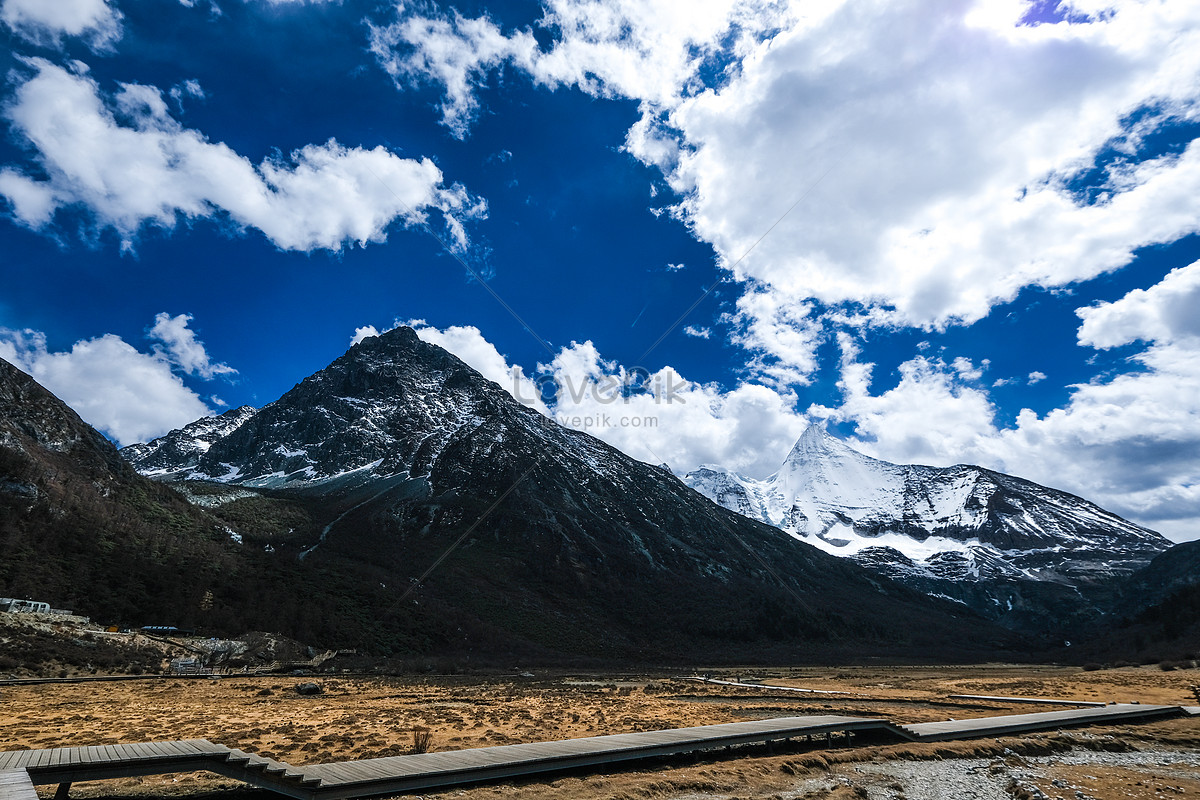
405 466
81 530
178 453
1007 547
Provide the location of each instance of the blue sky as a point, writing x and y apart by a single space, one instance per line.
953 232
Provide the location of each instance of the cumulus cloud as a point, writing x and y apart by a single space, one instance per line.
178 343
129 395
934 414
468 343
125 160
628 48
44 22
1127 442
943 144
783 333
658 417
365 332
930 149
662 417
1166 312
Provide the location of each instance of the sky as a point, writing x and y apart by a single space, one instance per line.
950 231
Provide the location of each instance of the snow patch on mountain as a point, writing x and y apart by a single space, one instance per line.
910 521
179 452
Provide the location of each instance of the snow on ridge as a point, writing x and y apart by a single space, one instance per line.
846 503
843 540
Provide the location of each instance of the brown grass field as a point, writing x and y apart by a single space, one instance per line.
357 718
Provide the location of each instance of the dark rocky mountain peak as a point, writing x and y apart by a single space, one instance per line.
403 456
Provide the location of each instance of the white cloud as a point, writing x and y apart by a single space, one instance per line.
1036 377
365 332
783 333
129 395
928 147
930 416
181 347
1128 442
1167 312
630 48
46 22
127 161
941 148
699 333
467 342
662 417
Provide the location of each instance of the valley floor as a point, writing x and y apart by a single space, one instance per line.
358 718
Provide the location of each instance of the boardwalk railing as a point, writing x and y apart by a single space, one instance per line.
20 770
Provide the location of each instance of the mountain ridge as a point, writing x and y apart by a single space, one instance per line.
406 457
940 529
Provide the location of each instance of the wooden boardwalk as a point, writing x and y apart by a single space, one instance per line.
20 770
16 785
429 770
1042 701
983 727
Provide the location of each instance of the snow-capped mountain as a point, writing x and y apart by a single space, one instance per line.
390 407
933 527
398 455
177 454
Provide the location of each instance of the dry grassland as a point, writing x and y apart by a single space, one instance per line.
358 718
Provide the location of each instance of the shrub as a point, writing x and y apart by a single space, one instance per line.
422 739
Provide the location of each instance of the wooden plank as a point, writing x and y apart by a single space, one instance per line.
16 785
11 758
137 752
1049 701
1021 723
20 759
159 750
335 773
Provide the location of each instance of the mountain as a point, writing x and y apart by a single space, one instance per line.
179 451
1152 615
482 526
81 530
1007 547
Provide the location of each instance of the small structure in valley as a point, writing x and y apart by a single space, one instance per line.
14 605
